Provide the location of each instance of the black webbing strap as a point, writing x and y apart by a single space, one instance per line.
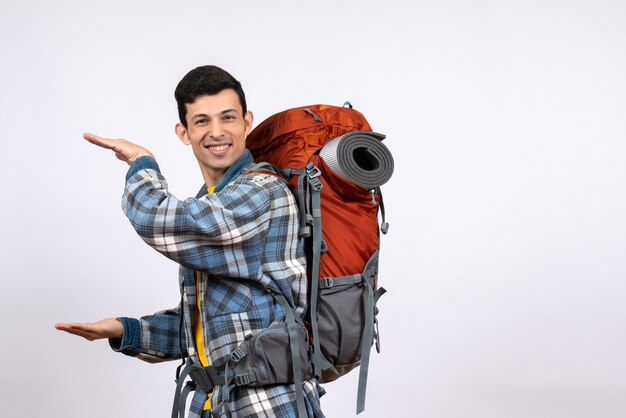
265 168
313 191
180 378
178 407
295 354
182 370
369 333
328 282
366 341
377 294
204 378
370 270
305 218
182 405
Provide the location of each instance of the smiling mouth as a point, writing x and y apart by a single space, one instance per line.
218 147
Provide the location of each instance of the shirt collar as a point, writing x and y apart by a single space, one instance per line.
244 160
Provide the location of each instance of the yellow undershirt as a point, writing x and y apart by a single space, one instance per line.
198 330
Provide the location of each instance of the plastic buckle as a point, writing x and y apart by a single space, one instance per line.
384 227
312 174
238 354
326 282
245 379
200 377
312 171
315 183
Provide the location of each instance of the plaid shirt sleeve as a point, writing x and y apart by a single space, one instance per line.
152 338
239 232
221 234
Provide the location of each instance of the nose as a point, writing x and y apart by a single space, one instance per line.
216 129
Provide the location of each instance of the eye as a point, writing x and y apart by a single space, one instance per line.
230 117
201 121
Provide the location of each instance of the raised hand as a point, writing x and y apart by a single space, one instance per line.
124 150
105 328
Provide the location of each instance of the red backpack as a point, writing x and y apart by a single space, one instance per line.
335 165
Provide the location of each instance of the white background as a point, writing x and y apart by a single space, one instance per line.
506 257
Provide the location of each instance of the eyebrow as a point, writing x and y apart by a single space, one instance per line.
223 112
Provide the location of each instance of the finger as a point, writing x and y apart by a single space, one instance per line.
72 327
63 327
85 335
100 141
77 329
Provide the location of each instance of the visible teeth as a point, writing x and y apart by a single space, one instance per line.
218 147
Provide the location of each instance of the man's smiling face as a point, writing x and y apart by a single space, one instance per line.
216 130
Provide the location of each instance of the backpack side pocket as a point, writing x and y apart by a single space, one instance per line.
265 357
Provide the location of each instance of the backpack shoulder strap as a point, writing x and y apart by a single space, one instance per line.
263 168
295 359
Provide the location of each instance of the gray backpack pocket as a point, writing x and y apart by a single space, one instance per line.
265 357
341 318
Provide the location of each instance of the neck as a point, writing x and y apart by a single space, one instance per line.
219 180
212 178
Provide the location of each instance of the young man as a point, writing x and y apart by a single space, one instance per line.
236 242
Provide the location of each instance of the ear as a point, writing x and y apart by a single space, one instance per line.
181 132
248 118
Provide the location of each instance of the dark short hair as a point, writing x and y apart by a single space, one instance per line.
205 80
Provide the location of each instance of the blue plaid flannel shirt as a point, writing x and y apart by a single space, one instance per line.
238 241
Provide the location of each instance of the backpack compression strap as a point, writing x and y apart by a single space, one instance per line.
295 353
370 331
313 193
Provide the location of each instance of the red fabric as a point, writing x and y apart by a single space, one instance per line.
349 218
